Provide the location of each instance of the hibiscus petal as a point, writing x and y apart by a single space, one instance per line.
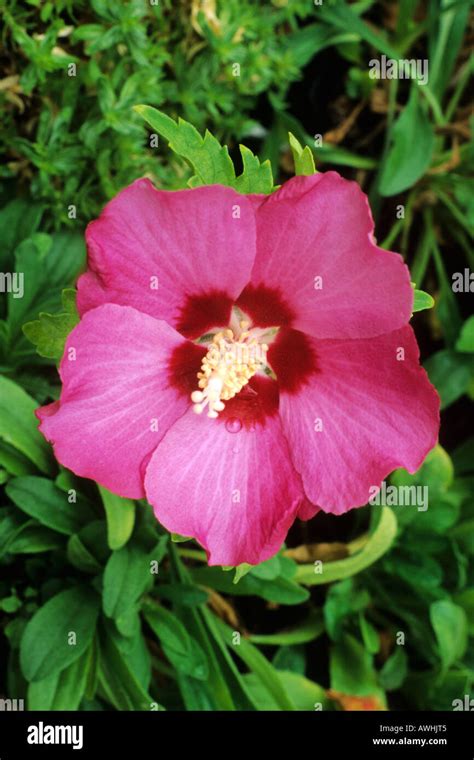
171 254
116 402
321 227
377 412
237 493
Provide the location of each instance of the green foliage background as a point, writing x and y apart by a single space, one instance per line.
147 640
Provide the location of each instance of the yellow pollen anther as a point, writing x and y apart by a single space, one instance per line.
226 369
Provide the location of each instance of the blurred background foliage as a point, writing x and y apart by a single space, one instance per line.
389 621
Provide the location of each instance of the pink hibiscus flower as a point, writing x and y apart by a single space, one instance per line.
240 360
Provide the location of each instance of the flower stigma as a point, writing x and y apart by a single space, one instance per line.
235 355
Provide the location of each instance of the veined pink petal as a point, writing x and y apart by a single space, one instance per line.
231 487
364 412
180 256
316 252
117 402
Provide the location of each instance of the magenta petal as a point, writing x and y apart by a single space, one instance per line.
116 402
360 416
307 510
321 227
237 493
155 250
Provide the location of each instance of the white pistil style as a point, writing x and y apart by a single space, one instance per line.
234 356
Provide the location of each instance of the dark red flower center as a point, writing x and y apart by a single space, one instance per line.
290 359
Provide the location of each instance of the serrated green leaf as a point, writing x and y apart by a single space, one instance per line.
209 159
50 331
255 177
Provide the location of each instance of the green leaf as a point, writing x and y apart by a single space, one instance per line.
302 693
280 590
117 681
209 159
18 219
258 664
378 543
449 622
48 263
394 670
255 177
351 669
447 32
303 157
451 374
126 577
19 426
61 691
465 342
343 600
447 306
466 600
179 647
436 473
270 569
225 687
79 556
370 635
308 630
292 658
45 647
88 549
343 17
33 539
418 570
309 40
411 148
184 594
240 571
463 457
422 301
120 514
49 333
177 539
14 462
10 604
134 648
40 498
